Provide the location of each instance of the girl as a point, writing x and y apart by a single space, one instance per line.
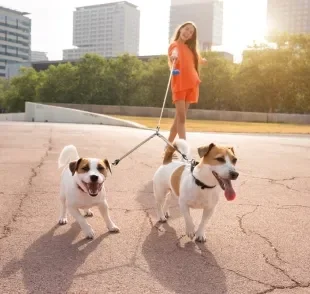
185 86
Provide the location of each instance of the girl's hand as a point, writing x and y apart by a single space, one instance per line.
174 55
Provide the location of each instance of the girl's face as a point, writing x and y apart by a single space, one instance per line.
186 33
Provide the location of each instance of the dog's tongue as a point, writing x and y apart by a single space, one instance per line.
230 193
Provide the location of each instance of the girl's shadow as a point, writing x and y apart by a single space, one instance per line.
49 264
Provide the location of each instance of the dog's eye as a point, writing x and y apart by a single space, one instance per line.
220 159
234 161
100 168
85 168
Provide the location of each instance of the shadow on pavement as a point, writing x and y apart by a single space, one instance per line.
183 269
49 264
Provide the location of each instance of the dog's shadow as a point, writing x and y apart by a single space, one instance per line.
190 268
49 264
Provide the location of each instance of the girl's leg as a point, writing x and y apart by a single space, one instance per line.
181 110
179 120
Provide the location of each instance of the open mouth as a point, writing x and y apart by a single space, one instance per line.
93 188
226 185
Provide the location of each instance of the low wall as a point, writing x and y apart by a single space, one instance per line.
192 113
36 112
12 116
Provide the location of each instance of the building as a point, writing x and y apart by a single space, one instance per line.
206 14
15 38
38 56
108 29
288 16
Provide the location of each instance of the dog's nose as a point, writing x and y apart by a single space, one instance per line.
94 178
234 175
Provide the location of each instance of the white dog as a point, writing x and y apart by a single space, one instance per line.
82 187
197 185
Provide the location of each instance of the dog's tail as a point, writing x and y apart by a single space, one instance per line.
69 153
179 144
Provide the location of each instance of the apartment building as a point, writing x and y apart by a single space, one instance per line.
206 14
290 16
15 38
107 29
38 56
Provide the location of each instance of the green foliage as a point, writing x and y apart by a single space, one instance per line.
269 79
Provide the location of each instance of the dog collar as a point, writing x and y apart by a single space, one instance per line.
80 188
198 182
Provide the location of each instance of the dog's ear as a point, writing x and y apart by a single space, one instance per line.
107 163
232 150
74 165
204 150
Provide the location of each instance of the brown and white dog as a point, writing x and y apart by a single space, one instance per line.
82 187
196 185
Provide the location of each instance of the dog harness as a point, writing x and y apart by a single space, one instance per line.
198 182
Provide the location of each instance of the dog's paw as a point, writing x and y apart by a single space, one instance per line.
113 228
88 213
63 221
89 233
201 238
190 232
162 219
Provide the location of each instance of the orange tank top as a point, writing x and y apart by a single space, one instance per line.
188 77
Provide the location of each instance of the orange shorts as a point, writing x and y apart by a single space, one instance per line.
189 95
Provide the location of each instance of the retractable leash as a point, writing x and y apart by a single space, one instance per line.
173 72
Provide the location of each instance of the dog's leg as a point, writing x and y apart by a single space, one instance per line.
166 206
207 213
88 213
160 199
104 210
190 227
63 211
87 229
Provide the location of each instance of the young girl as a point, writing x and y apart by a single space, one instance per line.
185 86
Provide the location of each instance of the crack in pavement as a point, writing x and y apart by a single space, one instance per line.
6 231
276 181
249 232
277 255
271 287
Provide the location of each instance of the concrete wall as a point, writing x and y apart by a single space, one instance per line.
12 116
193 113
47 113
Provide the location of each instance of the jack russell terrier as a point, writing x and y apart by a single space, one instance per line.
82 187
197 185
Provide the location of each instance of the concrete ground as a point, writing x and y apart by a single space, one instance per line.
259 243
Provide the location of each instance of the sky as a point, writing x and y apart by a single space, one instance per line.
52 26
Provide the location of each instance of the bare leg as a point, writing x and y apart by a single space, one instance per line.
178 124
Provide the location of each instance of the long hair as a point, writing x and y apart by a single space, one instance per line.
191 43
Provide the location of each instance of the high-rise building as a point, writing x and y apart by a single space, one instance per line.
290 16
107 29
206 14
15 38
38 56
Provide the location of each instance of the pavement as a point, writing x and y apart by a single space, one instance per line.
258 243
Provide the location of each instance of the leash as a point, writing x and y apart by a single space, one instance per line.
172 72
